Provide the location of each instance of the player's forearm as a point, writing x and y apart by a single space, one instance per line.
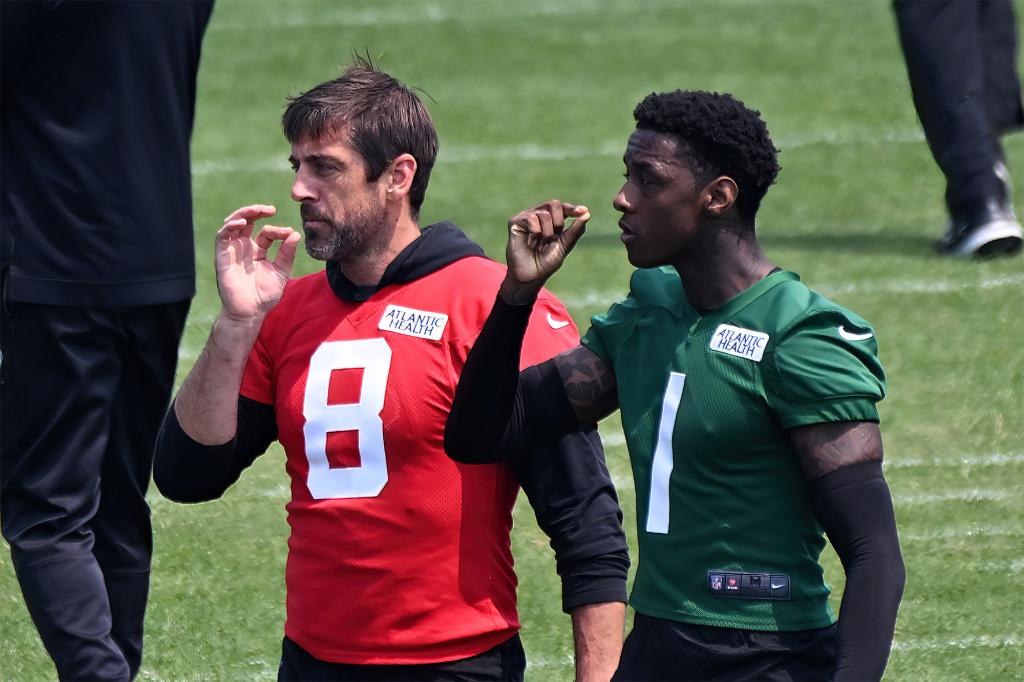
207 403
476 430
187 471
855 508
597 634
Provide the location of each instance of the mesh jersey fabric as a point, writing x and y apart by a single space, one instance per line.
396 553
727 493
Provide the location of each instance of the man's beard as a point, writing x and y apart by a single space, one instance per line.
360 234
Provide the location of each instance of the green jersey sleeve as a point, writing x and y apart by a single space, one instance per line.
825 368
609 330
647 288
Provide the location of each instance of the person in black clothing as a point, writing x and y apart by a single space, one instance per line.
97 274
962 62
399 563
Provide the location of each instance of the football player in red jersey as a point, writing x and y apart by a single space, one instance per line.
399 562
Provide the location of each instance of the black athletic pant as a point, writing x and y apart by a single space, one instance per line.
961 60
83 393
503 663
658 649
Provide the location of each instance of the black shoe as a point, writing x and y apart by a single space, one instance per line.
991 231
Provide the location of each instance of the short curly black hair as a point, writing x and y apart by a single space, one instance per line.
717 134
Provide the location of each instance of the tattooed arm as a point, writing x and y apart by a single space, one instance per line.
589 384
843 464
498 412
824 448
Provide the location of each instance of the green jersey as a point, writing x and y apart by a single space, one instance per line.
726 530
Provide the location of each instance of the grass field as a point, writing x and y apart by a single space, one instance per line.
533 99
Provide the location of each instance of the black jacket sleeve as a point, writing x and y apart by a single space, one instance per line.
187 471
574 500
854 507
498 411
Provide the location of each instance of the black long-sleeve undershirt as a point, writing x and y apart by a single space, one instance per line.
498 411
566 481
187 471
854 507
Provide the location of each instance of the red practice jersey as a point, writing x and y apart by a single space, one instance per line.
397 554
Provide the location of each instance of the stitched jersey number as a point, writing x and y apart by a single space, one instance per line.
373 356
661 466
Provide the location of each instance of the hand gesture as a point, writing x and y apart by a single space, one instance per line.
539 241
249 284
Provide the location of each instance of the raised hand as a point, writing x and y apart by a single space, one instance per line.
250 285
538 243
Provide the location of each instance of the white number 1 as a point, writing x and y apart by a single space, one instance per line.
373 356
661 465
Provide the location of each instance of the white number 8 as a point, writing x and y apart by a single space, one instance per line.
370 477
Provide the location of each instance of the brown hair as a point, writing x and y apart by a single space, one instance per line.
381 116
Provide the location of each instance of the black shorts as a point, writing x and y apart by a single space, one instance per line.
659 649
504 663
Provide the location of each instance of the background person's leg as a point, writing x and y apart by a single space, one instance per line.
59 372
148 346
942 44
1002 81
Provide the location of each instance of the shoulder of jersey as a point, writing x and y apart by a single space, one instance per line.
485 277
785 304
479 268
792 305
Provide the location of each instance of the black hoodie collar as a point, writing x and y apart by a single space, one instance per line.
438 245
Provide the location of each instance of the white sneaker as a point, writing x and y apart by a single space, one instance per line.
991 231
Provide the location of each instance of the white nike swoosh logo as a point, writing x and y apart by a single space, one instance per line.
850 336
778 587
557 324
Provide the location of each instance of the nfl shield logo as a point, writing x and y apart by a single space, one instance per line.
716 582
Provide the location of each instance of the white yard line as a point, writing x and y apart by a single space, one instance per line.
974 495
969 642
1015 567
592 299
921 286
543 662
613 437
993 459
963 532
233 166
536 152
422 13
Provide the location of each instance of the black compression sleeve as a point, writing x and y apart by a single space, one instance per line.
497 411
854 507
572 495
187 471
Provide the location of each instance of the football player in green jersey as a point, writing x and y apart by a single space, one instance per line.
748 403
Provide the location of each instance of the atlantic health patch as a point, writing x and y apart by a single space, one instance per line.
412 322
743 343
